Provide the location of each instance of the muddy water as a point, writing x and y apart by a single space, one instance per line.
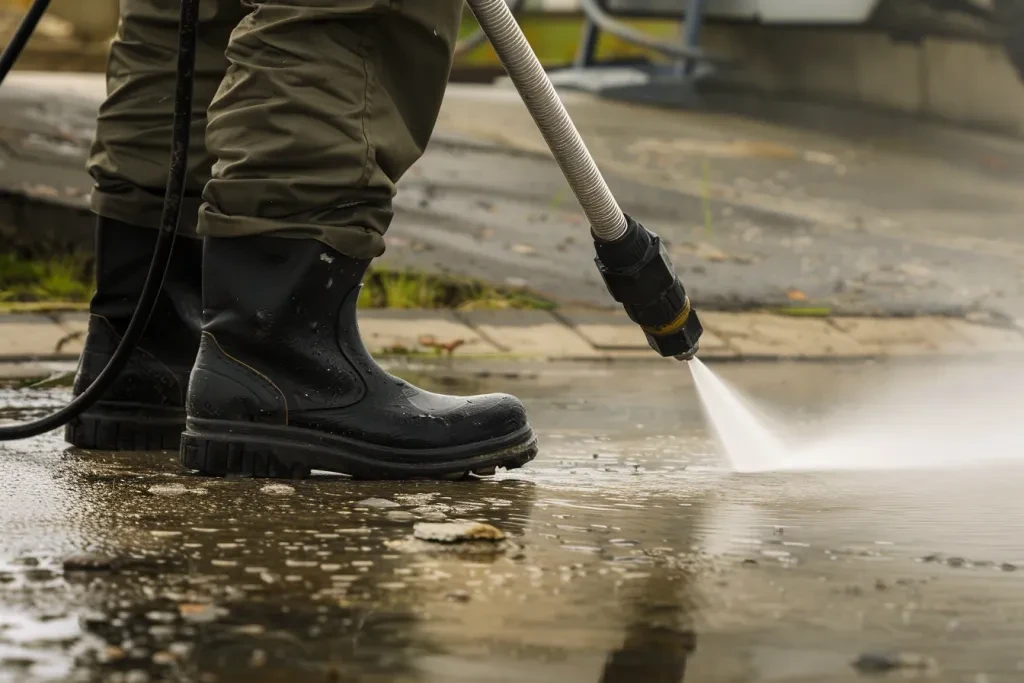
632 556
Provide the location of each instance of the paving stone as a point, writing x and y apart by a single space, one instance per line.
986 338
616 333
530 333
29 336
23 371
412 330
902 336
75 326
779 336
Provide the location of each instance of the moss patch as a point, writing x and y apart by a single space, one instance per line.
385 288
29 281
65 283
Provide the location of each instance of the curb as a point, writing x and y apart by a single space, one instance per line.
587 335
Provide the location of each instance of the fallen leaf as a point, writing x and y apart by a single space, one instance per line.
795 295
439 346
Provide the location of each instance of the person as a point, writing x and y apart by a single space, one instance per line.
306 115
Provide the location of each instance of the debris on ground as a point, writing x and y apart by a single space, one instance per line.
456 532
278 490
174 490
447 347
464 538
89 562
881 662
377 503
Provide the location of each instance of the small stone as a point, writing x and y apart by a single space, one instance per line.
199 613
89 562
6 577
257 659
159 533
168 489
400 516
854 590
163 658
956 561
179 649
459 596
162 631
113 654
1007 567
377 503
278 490
456 532
162 617
934 557
880 585
878 662
26 562
39 575
136 676
749 563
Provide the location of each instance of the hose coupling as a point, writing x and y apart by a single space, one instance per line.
639 275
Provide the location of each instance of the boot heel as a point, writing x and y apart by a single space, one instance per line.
91 432
231 458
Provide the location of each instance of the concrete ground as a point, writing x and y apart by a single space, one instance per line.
630 554
763 203
30 343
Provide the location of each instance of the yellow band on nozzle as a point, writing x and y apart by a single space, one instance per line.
673 326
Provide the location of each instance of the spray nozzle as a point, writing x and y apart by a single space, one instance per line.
690 355
639 275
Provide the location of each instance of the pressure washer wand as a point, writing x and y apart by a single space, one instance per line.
632 260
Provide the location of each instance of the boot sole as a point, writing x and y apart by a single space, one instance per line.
222 448
126 427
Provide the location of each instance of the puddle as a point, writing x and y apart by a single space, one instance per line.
632 554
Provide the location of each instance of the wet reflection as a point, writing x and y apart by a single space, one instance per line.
659 639
628 557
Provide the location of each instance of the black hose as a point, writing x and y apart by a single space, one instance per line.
175 191
21 36
604 21
479 37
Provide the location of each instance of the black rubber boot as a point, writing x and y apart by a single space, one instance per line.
283 383
144 409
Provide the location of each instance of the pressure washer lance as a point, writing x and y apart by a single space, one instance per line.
632 260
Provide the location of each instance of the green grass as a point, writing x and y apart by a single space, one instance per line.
385 288
28 285
27 281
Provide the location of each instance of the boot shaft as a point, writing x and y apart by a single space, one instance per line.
286 309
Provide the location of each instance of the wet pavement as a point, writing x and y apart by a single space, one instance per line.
630 555
761 202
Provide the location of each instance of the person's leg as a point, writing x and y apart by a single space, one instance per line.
129 163
326 104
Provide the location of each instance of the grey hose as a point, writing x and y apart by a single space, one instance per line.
606 219
478 37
